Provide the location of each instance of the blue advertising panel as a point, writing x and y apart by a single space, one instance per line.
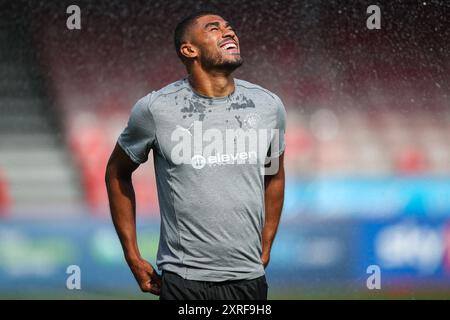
411 250
312 253
35 256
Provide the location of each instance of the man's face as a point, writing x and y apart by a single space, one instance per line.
216 42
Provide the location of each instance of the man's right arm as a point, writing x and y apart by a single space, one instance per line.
122 204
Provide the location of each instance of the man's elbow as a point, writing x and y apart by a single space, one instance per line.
111 170
116 171
108 174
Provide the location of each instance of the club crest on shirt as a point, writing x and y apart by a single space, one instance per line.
252 121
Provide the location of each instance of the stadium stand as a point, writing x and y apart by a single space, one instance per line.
33 153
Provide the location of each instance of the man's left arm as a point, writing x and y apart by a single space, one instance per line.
274 196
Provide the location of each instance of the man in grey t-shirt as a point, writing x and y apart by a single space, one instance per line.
218 146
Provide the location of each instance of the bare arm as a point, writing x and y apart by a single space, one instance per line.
274 196
123 212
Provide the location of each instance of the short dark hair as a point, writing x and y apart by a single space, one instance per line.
183 26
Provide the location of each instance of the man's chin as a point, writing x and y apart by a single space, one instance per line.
227 64
231 65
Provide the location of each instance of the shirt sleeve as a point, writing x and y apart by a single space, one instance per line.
140 133
277 143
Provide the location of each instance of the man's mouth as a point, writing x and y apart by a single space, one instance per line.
230 46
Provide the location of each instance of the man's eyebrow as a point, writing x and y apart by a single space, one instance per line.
216 24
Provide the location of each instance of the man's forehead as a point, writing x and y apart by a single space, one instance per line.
204 20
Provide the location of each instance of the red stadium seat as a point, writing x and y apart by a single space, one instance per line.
5 200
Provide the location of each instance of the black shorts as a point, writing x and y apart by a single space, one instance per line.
175 287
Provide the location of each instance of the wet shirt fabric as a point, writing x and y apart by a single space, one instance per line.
211 200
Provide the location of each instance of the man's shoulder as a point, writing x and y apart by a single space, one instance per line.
246 85
173 88
169 91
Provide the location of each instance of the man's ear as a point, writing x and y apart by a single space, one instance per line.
188 50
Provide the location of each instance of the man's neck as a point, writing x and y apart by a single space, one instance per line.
211 84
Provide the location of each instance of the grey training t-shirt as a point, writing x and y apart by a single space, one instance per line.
209 156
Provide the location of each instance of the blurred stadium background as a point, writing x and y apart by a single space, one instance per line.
368 157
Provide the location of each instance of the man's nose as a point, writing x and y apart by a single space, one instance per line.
228 33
